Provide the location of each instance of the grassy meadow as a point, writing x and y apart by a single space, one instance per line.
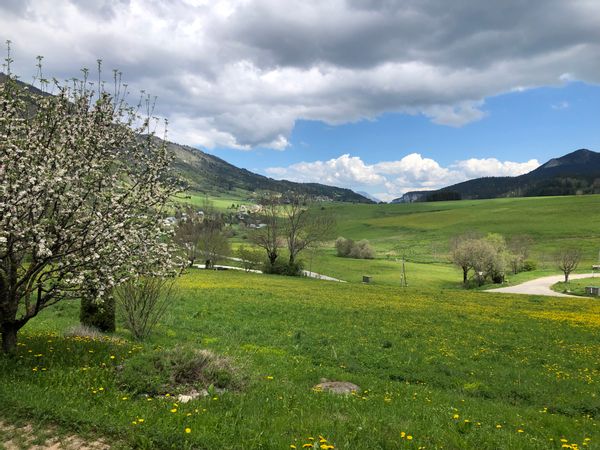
423 232
438 366
450 369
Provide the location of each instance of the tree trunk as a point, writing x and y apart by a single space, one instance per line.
566 277
465 275
9 339
272 258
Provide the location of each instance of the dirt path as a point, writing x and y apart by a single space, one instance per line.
541 286
36 438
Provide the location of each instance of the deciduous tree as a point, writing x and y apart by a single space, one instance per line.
567 260
83 184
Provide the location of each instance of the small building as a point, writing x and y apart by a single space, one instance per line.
592 290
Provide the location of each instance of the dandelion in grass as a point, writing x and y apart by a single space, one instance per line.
188 430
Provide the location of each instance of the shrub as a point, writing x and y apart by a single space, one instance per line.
362 250
348 248
343 246
142 302
178 370
529 265
98 314
281 268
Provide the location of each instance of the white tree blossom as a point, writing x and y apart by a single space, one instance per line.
83 185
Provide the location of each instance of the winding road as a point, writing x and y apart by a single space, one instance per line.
541 286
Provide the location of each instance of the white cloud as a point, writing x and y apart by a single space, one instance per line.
491 167
345 170
240 73
412 172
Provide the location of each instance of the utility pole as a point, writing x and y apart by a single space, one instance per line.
403 281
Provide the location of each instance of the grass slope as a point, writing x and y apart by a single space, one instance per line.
452 369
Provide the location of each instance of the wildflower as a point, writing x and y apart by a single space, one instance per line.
124 398
188 430
498 426
402 434
292 446
409 437
269 377
174 410
455 416
112 356
141 420
520 431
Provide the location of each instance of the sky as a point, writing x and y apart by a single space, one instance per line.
381 96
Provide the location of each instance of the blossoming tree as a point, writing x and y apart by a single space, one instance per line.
83 183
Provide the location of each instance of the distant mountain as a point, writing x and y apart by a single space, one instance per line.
209 174
369 196
575 173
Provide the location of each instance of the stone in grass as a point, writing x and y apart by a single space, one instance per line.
194 394
336 387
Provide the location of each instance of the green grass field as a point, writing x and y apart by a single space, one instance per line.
452 369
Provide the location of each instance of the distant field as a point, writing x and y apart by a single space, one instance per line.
553 222
423 232
452 369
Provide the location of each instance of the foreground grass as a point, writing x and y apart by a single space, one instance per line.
451 369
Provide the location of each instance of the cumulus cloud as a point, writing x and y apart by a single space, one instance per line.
391 179
240 73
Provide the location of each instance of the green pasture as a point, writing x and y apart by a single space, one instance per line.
424 230
452 369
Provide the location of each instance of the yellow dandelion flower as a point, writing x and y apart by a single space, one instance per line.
498 426
402 434
455 416
520 431
188 430
409 437
292 446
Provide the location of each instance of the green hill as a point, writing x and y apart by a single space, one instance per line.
208 174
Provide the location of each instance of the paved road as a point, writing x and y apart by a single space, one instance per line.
306 273
541 286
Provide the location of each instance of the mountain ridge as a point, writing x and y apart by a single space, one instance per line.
208 174
577 172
